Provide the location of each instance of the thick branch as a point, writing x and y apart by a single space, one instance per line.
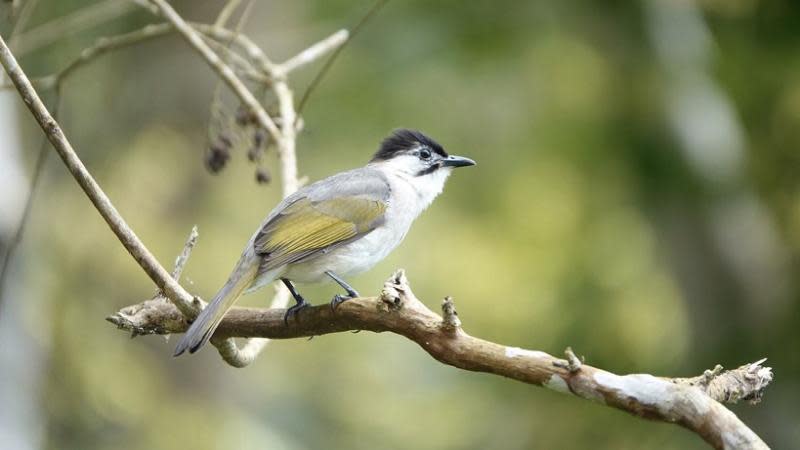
689 403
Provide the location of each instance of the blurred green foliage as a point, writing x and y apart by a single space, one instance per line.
583 224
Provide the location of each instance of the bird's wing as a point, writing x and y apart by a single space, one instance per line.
323 216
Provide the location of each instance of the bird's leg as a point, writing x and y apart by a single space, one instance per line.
300 301
338 299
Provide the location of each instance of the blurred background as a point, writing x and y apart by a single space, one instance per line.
636 197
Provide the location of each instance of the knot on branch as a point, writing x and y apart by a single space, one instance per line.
573 363
154 316
395 291
450 321
747 382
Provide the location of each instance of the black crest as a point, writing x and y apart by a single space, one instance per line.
403 140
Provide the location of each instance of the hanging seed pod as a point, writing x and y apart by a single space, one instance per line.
259 137
225 141
263 176
255 154
216 158
244 116
257 151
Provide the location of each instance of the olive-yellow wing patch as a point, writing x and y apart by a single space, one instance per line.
306 228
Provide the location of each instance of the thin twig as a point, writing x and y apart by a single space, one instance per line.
180 261
25 13
173 290
24 16
225 72
57 29
101 46
315 51
105 44
331 59
226 12
241 65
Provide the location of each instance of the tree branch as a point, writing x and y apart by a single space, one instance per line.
693 403
226 12
315 51
56 136
78 20
226 73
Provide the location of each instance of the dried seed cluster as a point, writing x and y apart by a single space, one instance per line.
241 129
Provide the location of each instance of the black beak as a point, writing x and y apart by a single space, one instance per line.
457 161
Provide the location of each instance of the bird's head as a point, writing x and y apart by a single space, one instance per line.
411 153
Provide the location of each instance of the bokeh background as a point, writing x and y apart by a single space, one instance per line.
636 197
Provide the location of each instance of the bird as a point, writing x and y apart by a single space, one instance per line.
334 228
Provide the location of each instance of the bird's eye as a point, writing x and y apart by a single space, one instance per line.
425 154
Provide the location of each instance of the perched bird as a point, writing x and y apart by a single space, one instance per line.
337 227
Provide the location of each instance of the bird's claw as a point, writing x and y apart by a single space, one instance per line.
292 311
339 299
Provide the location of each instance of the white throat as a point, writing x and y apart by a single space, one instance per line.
424 188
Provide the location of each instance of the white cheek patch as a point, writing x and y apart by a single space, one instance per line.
406 164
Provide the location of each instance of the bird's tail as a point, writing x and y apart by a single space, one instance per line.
209 318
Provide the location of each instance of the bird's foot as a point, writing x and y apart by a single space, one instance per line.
294 310
339 299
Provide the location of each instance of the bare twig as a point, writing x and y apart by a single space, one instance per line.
244 43
101 46
241 64
183 258
25 13
226 12
572 363
183 300
58 28
225 72
329 62
105 44
315 51
694 406
21 21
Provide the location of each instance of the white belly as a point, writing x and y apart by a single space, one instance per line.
349 259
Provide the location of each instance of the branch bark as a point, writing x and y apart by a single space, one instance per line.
693 403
